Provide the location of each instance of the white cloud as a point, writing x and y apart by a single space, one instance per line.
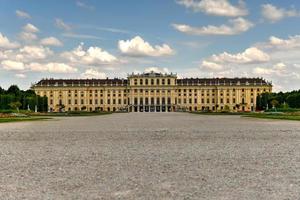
20 75
250 55
274 14
138 47
237 26
84 5
211 66
30 28
278 69
62 25
27 37
216 7
262 71
279 66
91 56
22 14
92 73
6 44
52 67
29 33
51 41
281 44
30 53
12 65
157 69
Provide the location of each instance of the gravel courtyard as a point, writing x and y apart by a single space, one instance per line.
150 156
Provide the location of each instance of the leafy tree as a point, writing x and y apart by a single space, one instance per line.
274 103
26 98
293 100
1 90
15 105
13 89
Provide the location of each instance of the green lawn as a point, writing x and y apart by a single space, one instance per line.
282 116
274 116
70 114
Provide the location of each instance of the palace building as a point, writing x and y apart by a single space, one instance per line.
152 92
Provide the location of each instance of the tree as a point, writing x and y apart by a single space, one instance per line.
13 89
274 103
15 105
1 90
293 100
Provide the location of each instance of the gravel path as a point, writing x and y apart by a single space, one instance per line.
150 156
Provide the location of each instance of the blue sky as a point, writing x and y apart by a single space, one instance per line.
110 38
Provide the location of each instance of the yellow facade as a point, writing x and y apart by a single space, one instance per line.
152 92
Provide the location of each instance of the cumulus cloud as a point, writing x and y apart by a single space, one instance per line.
6 44
12 65
91 56
276 43
59 23
51 67
29 33
274 14
211 66
216 7
138 47
51 41
22 14
27 37
250 55
278 69
236 26
92 73
29 53
20 75
30 28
